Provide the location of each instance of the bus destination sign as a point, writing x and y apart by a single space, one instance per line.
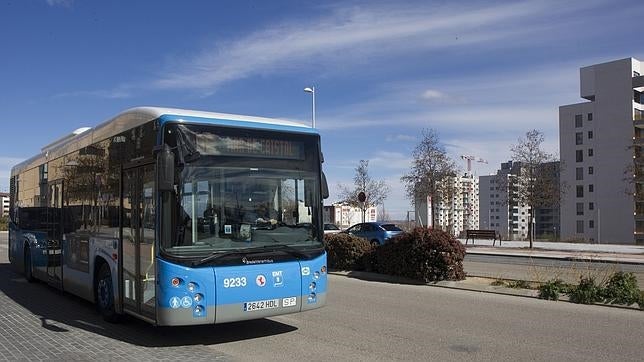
214 145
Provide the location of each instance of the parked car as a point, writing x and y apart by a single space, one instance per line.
376 232
331 229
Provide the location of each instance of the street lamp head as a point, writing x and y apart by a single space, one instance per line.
309 90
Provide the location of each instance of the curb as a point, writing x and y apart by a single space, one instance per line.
584 258
489 289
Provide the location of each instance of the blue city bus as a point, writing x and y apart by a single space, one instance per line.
176 217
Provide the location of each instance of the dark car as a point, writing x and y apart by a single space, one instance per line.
331 229
376 232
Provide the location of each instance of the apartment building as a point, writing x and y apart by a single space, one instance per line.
456 210
498 208
4 204
344 216
501 211
601 143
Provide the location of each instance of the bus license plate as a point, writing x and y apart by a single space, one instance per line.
261 304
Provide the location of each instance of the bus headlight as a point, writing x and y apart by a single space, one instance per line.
175 282
192 286
198 297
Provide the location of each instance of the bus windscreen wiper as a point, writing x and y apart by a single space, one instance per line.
261 249
218 255
285 248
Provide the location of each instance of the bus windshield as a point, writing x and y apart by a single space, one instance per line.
225 203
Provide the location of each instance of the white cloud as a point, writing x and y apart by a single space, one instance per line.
349 35
400 138
64 3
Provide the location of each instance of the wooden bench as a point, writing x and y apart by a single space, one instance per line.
482 234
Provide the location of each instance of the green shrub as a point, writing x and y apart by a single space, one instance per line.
345 251
519 284
587 292
622 289
498 283
551 289
640 302
422 254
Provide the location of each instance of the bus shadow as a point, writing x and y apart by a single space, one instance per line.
61 312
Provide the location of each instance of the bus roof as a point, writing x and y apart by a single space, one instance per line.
135 117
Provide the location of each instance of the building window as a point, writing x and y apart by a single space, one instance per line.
590 135
578 121
591 170
580 208
579 156
590 152
591 188
591 206
591 224
579 173
580 191
590 116
580 226
579 138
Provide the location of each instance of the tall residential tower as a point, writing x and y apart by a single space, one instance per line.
601 143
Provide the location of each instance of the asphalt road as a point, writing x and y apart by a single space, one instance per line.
363 321
541 269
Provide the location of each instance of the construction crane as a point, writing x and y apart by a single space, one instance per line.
469 159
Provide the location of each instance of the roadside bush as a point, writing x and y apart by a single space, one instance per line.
422 254
640 303
587 292
622 289
345 251
551 289
519 284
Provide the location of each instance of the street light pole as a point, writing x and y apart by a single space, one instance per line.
312 91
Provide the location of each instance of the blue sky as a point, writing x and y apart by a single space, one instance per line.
481 73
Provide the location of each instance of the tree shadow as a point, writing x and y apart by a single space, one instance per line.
383 278
54 308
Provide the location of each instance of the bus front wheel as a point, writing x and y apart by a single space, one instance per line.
105 295
29 275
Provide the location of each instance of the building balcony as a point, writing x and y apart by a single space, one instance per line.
638 82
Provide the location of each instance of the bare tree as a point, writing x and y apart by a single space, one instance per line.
537 184
375 191
430 172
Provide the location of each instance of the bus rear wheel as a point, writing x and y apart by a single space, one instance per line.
29 275
104 291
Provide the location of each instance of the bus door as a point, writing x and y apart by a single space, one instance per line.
137 230
54 233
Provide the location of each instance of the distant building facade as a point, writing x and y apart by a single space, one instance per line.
456 210
4 204
345 216
601 144
500 210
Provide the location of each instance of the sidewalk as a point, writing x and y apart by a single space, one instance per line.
631 254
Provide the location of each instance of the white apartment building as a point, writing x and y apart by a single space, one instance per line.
497 210
601 144
4 204
345 216
456 212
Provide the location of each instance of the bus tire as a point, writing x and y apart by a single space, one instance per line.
28 266
104 293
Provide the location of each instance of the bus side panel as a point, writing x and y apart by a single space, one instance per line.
257 291
177 306
314 283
